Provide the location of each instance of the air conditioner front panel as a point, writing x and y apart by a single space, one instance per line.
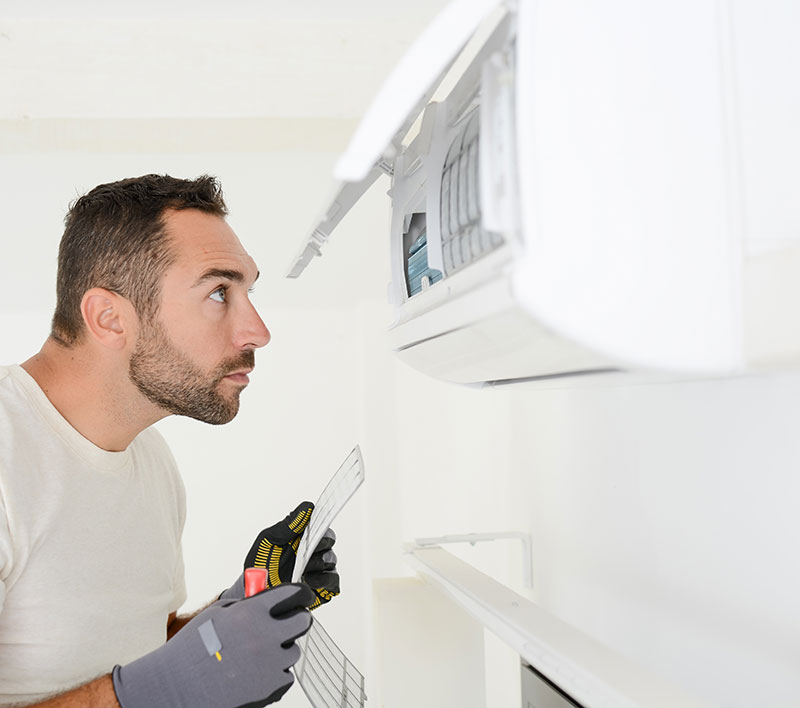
627 165
483 335
501 348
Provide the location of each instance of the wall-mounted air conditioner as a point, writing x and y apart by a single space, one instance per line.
577 201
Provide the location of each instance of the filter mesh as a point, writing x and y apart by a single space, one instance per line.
326 675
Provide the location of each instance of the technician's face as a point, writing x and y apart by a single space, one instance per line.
193 359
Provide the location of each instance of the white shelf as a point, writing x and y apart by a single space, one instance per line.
593 674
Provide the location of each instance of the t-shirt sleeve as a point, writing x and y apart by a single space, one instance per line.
179 583
178 497
6 553
179 578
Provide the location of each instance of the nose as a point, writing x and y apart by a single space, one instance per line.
253 333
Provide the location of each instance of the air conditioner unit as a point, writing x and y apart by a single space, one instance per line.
574 203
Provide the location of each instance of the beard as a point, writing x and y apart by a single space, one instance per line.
168 378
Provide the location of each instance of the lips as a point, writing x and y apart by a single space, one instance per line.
240 377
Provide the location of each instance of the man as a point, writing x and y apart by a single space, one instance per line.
153 318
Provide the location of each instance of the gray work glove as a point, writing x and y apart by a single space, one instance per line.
275 549
234 654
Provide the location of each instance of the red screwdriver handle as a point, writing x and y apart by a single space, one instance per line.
255 581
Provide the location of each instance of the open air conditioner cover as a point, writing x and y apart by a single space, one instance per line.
570 206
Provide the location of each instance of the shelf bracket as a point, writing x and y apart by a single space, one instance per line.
473 538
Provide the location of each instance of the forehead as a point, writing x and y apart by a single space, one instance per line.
201 241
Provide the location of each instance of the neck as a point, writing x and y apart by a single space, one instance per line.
93 393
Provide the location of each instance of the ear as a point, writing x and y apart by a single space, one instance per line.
107 317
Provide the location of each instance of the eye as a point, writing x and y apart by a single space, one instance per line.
220 294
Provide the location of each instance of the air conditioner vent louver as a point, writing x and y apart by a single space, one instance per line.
464 239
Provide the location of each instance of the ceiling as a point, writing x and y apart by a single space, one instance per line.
200 59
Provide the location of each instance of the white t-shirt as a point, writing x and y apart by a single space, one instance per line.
90 547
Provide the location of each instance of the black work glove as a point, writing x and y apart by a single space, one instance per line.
275 549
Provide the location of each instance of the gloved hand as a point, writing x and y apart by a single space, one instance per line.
234 654
275 549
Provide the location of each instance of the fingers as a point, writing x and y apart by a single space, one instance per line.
326 542
291 654
277 695
300 515
289 596
291 526
293 626
320 572
268 547
323 597
323 581
287 605
320 562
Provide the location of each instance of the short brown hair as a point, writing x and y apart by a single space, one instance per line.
115 238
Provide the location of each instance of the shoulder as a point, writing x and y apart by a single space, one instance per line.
153 441
151 450
5 534
16 388
5 381
155 461
15 408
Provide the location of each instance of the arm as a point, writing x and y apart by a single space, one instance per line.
96 694
100 692
175 623
234 653
241 650
172 624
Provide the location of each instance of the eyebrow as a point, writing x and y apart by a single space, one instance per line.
214 273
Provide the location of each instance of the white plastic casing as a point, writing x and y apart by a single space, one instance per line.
616 163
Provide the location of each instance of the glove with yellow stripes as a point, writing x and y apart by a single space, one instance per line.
275 549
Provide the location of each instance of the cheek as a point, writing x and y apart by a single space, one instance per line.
207 341
200 330
197 337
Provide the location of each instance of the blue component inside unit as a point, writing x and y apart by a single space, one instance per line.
416 261
417 267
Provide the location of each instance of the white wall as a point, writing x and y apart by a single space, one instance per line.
664 517
664 520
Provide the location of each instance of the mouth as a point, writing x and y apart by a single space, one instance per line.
239 377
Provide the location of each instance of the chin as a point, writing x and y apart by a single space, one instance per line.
225 414
216 418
